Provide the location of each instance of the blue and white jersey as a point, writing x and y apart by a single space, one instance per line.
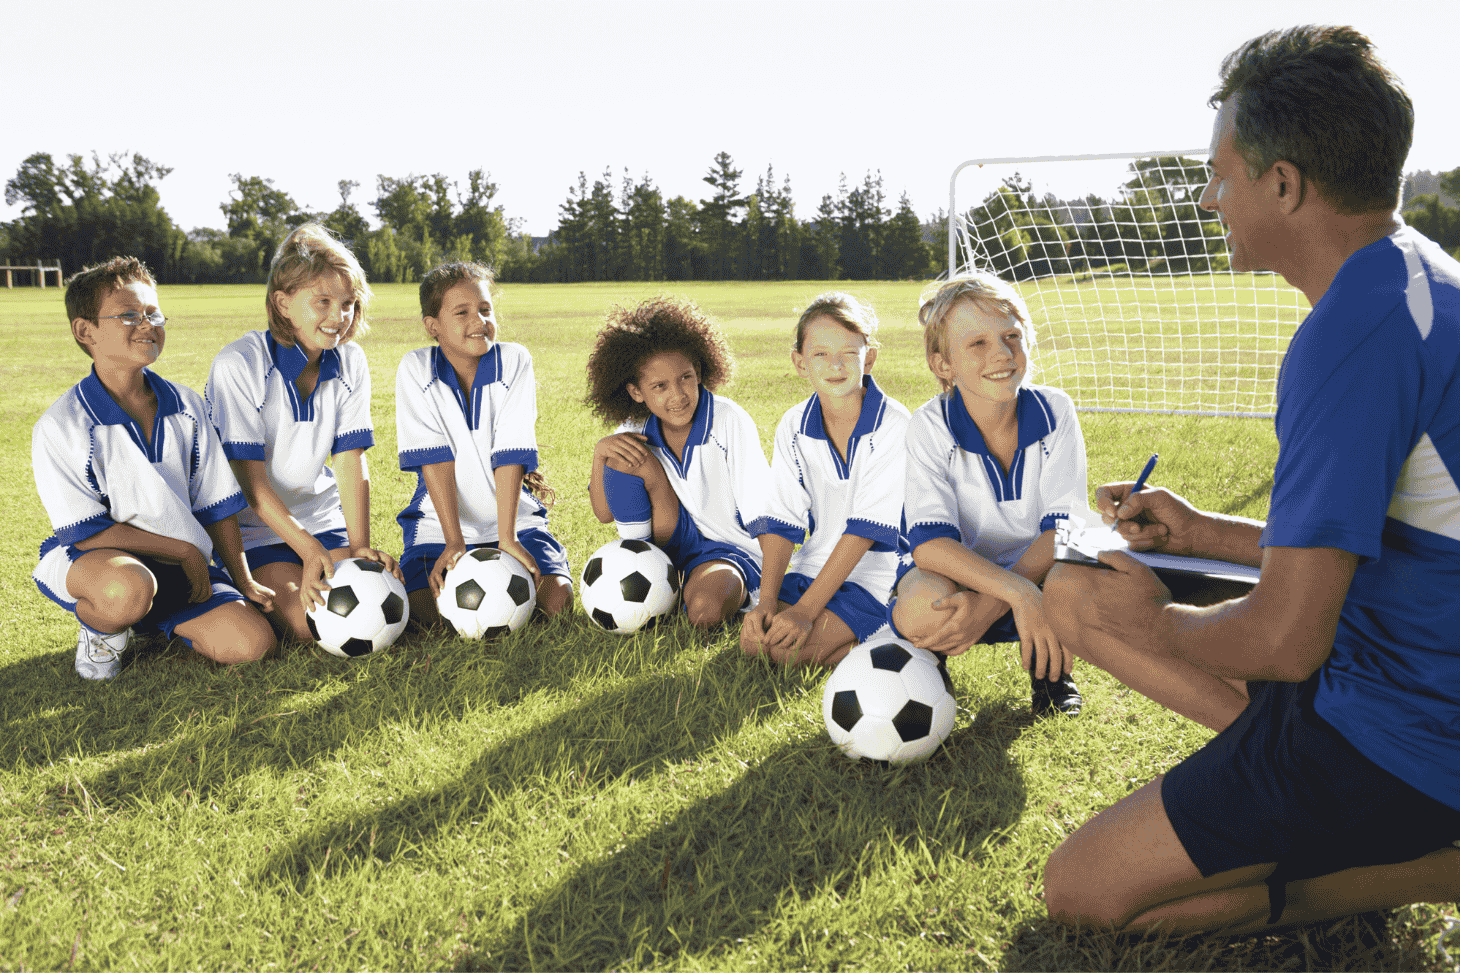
1368 427
817 497
491 424
723 479
260 415
957 489
94 468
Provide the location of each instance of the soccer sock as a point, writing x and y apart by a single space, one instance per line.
628 501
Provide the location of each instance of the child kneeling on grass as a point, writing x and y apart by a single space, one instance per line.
994 463
684 467
139 494
838 474
466 421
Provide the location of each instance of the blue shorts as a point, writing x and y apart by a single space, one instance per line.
551 557
688 549
852 603
332 540
1282 785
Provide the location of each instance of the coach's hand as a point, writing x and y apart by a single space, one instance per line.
1154 519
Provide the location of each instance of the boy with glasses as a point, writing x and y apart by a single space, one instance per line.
139 494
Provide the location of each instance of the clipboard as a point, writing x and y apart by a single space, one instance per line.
1082 545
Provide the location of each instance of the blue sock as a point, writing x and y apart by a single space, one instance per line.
628 501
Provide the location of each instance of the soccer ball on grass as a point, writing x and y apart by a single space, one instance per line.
888 700
627 583
486 594
364 611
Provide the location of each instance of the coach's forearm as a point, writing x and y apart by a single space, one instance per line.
1227 538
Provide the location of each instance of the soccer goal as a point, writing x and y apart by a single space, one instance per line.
1128 281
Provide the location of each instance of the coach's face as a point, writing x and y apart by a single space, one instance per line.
1235 197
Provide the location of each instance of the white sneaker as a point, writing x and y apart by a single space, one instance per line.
100 656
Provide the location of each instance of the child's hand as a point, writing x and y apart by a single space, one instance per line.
380 557
258 594
516 549
788 632
753 628
1039 650
195 567
315 574
960 629
629 448
444 563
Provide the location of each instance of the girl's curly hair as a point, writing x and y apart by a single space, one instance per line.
631 336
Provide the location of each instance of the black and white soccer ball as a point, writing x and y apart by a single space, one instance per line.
888 700
486 594
625 584
364 611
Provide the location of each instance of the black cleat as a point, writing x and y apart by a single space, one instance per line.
1055 697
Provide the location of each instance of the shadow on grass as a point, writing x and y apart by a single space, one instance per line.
1370 941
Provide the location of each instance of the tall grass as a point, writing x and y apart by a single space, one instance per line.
563 798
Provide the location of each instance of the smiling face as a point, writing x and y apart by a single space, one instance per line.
112 340
669 386
466 327
320 312
1234 196
833 358
983 355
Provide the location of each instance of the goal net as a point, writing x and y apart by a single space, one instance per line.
1127 279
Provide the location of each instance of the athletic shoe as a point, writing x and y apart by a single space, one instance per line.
1054 697
99 656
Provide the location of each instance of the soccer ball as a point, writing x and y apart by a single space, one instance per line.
364 611
888 700
627 583
486 594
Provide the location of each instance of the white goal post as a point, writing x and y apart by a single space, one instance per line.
1127 279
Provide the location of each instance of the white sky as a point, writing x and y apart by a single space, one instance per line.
307 93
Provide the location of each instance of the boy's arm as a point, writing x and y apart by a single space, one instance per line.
228 546
135 540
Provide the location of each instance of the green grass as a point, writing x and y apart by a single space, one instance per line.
562 798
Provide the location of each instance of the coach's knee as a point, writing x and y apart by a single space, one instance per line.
1069 895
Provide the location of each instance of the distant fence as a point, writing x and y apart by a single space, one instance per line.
37 272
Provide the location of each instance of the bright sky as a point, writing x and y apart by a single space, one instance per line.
308 93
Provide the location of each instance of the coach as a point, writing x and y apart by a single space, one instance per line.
1333 784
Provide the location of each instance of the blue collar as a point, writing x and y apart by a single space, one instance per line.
489 370
814 425
699 430
99 403
1036 420
291 360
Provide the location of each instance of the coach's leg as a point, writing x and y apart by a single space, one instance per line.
1178 685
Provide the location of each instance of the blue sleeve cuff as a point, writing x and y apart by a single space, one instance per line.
525 458
221 510
1050 521
920 534
359 439
883 538
770 525
78 532
411 460
244 451
1366 547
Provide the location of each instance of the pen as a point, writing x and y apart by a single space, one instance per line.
1141 480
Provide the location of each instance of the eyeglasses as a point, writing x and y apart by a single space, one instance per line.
132 318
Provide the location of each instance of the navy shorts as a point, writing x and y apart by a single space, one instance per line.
1282 785
688 549
170 606
332 540
551 557
852 603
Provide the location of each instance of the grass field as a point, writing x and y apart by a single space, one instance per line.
563 798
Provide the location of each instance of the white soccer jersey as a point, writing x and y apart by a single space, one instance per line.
817 497
723 479
491 424
94 468
956 489
260 415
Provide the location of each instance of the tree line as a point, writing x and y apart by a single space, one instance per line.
624 228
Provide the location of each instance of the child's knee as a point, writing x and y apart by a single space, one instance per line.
236 635
705 609
554 594
123 597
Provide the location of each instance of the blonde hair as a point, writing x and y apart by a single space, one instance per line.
989 293
855 315
308 253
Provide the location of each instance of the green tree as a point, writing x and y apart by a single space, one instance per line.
862 216
905 255
345 220
717 216
644 230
